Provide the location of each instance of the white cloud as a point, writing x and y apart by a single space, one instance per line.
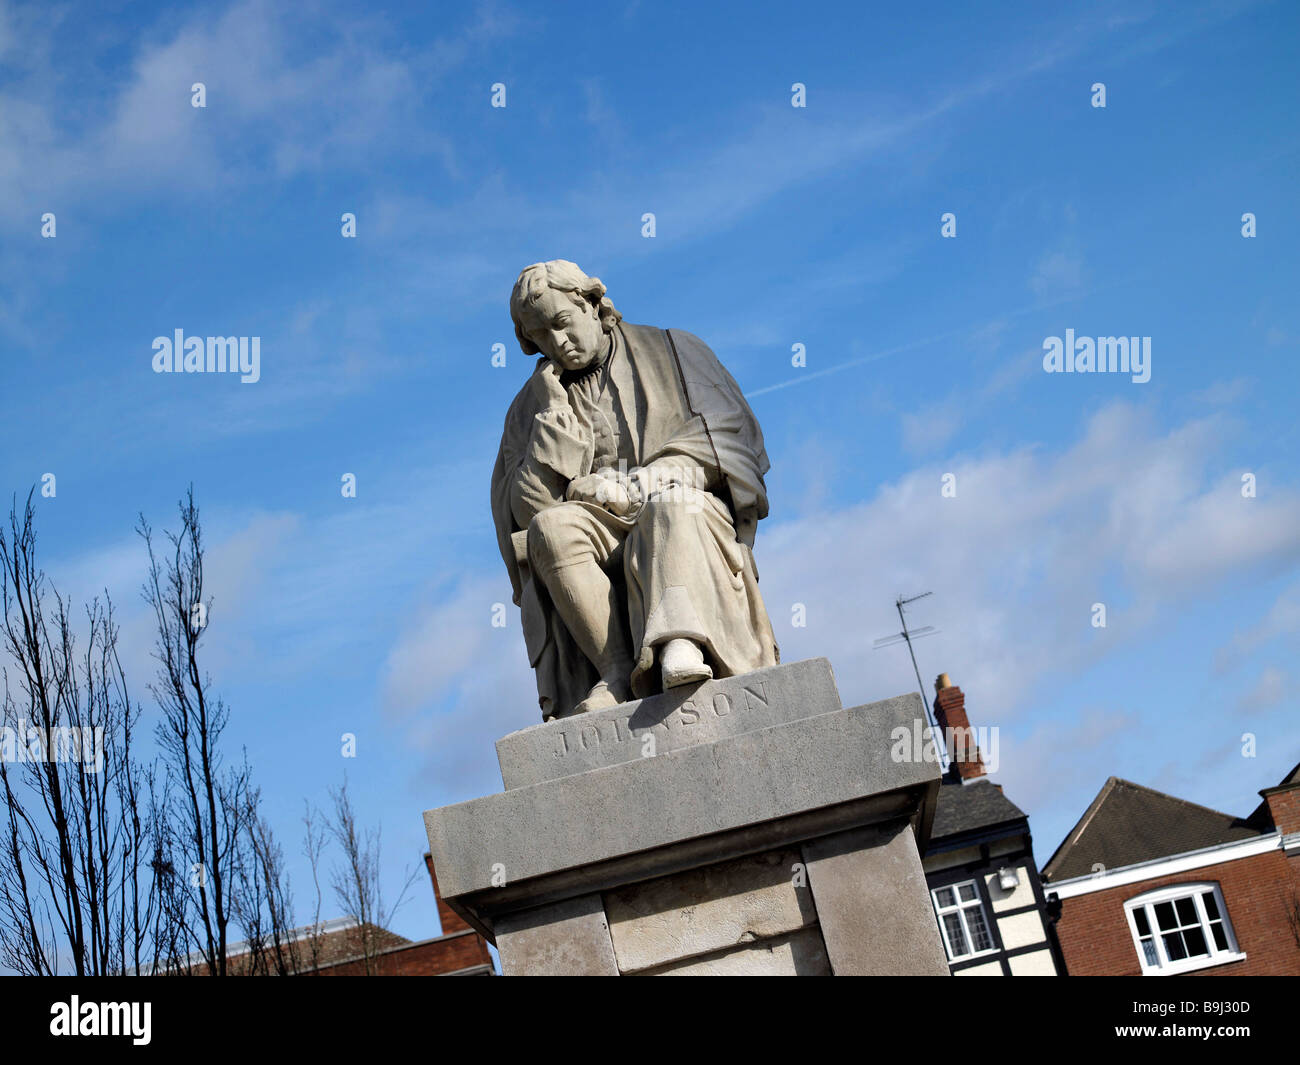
1127 516
446 644
457 685
930 428
1224 393
1055 759
1057 273
273 109
1282 620
1268 691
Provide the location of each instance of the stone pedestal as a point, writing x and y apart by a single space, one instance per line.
749 825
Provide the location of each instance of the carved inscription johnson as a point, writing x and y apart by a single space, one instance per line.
699 708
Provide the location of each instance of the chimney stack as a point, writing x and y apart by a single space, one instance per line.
964 758
1283 804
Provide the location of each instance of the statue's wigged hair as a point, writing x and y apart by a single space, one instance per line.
563 276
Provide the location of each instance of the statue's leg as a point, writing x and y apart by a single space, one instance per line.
686 579
569 549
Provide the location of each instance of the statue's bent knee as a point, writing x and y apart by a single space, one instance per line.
557 536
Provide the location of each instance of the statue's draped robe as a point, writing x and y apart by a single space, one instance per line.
685 565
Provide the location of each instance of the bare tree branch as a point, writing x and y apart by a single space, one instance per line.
74 890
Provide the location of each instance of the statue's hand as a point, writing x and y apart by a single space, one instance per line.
559 440
605 489
550 391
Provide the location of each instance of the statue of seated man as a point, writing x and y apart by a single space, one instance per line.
626 495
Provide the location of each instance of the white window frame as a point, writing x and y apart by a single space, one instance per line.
1194 891
960 909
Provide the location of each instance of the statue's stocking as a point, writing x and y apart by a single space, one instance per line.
590 607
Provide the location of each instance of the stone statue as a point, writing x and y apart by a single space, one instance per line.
626 495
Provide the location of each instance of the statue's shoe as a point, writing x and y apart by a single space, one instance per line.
601 697
682 662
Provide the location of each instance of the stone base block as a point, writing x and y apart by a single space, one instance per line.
750 825
569 938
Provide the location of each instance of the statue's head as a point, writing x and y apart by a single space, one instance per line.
562 313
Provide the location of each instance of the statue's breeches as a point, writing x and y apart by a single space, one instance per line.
569 533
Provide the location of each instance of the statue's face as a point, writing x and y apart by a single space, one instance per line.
567 332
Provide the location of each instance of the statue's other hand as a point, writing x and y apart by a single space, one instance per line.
609 492
588 489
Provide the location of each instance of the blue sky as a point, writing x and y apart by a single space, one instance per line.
775 225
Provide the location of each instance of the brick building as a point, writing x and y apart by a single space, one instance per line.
336 948
979 863
1150 884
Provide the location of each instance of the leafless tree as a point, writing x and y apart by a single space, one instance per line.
356 882
285 948
77 890
263 902
312 847
169 932
248 908
209 815
111 866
